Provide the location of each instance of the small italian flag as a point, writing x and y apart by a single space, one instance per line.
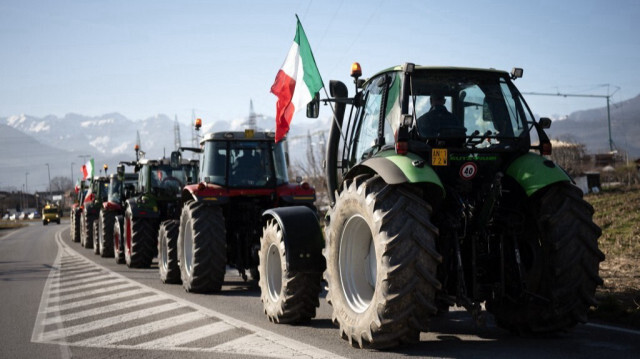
297 82
87 169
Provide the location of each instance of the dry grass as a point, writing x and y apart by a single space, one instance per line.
618 214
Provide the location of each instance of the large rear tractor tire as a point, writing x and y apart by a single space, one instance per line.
381 263
168 252
87 230
75 225
106 221
118 240
287 297
202 247
141 235
560 262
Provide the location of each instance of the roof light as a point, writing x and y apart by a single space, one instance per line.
136 147
228 135
198 124
105 166
248 133
356 70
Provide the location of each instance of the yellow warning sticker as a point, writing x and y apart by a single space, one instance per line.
439 157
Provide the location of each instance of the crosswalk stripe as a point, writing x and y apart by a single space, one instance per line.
139 330
100 310
85 288
142 318
83 282
69 278
138 314
123 293
91 292
186 336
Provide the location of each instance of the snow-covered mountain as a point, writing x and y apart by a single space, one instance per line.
27 142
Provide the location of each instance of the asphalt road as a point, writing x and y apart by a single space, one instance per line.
60 300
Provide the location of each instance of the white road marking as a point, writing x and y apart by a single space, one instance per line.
97 324
90 293
143 329
101 310
82 284
186 336
616 329
122 294
258 341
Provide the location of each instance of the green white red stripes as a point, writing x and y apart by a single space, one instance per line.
87 169
297 82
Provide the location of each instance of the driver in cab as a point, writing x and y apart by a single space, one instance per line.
437 117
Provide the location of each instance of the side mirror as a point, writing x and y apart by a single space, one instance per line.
313 107
545 122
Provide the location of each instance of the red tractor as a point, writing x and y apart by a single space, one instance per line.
242 174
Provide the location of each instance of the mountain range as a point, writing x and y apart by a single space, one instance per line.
590 127
28 143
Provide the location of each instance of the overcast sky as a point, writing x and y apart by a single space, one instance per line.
142 58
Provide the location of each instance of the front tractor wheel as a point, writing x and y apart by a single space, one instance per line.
105 233
287 297
381 263
118 240
560 263
202 247
168 252
140 240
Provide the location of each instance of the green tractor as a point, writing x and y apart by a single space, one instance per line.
96 194
437 200
155 206
121 186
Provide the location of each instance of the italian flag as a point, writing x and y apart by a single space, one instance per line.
297 82
87 169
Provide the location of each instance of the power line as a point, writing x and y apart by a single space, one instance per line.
608 97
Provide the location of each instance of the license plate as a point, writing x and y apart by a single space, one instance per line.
439 157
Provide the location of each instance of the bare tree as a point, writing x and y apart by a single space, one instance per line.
311 169
570 155
61 184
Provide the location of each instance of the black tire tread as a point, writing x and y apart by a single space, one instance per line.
569 279
299 296
209 248
405 298
169 232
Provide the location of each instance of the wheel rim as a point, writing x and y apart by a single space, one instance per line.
188 247
163 251
357 264
274 272
116 238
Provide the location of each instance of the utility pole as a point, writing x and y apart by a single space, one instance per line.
49 173
608 97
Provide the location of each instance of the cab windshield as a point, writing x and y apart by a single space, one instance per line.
244 163
467 104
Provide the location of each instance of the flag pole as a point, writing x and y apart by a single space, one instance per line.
323 87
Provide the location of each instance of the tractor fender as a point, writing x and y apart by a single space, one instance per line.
142 210
397 169
302 237
534 172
